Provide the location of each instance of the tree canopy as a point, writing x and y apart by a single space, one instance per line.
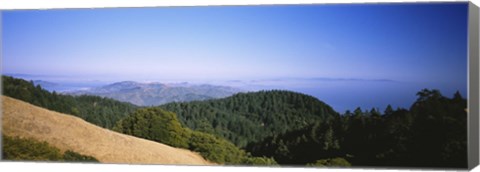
432 133
250 117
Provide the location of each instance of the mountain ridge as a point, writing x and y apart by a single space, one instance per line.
156 93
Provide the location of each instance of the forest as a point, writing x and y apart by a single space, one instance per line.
432 133
253 116
280 127
296 129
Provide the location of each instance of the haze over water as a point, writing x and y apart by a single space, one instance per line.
345 55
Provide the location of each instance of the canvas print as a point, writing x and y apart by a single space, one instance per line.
319 85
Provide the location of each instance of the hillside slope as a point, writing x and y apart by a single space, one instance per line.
67 132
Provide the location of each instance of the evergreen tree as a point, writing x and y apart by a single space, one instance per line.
388 110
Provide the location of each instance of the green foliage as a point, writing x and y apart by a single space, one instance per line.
155 124
260 161
251 117
15 148
21 149
73 156
439 130
215 149
333 162
100 111
432 133
222 151
163 126
298 147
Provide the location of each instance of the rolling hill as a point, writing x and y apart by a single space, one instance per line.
67 132
151 94
250 117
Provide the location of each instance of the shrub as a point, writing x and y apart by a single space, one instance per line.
331 162
25 149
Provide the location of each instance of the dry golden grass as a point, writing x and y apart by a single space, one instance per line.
69 132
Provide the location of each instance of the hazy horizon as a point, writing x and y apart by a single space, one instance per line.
365 94
366 55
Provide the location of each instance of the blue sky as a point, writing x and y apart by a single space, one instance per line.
421 44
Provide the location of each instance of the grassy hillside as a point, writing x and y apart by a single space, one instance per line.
67 132
103 112
250 117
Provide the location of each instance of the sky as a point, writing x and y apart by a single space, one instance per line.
348 48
